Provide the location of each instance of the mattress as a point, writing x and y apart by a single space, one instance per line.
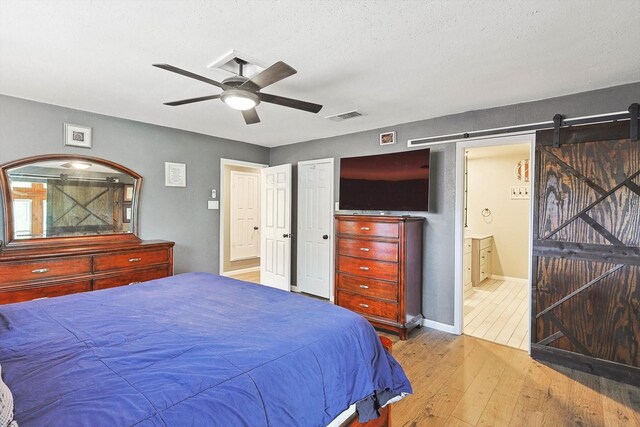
193 349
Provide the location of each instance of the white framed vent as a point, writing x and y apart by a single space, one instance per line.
345 116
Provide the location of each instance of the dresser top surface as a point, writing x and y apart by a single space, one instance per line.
7 255
379 218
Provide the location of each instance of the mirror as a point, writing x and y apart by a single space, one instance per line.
521 170
59 196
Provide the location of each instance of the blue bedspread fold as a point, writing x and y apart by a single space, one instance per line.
190 350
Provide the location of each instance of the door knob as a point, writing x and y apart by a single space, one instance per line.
325 237
287 235
255 227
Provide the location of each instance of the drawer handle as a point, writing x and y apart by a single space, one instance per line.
364 305
364 249
135 259
365 228
40 270
364 268
364 286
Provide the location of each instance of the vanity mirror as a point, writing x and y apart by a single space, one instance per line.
68 199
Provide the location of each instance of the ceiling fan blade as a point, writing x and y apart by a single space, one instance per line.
288 102
189 101
192 75
250 116
271 75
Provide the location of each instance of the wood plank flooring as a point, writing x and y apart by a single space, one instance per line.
251 276
465 381
498 311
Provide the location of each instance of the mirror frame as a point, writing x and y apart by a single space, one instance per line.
12 243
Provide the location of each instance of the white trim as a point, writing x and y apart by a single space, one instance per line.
331 236
224 162
241 271
294 288
509 139
510 279
450 329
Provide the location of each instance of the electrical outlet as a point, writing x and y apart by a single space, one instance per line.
214 194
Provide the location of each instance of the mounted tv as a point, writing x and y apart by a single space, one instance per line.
385 182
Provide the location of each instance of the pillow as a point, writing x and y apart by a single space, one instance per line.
6 405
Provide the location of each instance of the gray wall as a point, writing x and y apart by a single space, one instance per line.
29 128
438 264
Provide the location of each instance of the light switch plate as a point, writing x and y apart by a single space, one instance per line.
213 204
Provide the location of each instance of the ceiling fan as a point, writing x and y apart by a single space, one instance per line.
243 93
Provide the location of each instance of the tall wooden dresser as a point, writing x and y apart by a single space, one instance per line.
379 269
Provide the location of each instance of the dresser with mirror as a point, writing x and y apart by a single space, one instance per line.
71 225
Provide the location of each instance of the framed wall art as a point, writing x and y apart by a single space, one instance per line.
175 174
77 136
388 138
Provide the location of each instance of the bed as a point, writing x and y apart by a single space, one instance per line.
192 349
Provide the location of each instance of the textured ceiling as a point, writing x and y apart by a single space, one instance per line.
396 61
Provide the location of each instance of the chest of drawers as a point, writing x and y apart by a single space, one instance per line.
379 269
31 274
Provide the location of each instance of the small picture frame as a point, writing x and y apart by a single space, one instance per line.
126 213
127 195
175 174
77 136
388 138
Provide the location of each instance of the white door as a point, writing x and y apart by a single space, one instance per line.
245 215
275 219
315 227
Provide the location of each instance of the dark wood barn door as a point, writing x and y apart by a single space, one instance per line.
586 257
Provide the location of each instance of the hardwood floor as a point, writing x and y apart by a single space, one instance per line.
465 381
251 276
498 311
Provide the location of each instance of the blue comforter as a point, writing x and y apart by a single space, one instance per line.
194 349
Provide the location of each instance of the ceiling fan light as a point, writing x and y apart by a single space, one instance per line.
239 99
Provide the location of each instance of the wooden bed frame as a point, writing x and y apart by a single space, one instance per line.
385 413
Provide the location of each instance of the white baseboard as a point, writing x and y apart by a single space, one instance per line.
244 270
294 288
439 326
510 279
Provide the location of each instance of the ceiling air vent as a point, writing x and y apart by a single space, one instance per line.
345 116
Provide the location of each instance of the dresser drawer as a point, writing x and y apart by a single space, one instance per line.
46 291
130 259
44 269
368 306
129 278
368 287
368 268
369 228
384 251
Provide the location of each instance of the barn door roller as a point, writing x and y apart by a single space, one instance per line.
557 122
633 123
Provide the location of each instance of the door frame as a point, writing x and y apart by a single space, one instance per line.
461 146
228 162
331 208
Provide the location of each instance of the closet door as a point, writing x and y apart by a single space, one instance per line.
586 257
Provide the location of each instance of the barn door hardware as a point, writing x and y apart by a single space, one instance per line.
633 115
557 122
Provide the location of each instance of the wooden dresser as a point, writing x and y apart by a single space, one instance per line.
27 274
379 269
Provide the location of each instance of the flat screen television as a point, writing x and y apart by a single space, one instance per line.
385 182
